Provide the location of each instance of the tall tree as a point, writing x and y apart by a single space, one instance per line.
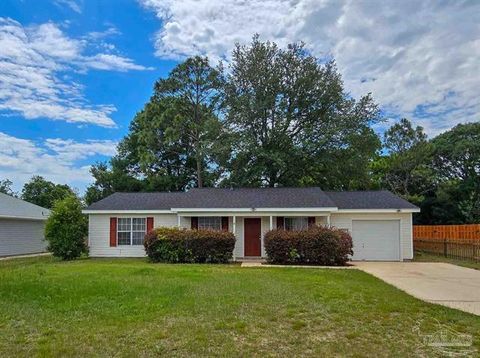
293 122
156 150
406 168
175 142
45 193
6 187
457 162
402 137
193 87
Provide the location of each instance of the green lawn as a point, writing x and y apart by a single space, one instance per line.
128 307
426 257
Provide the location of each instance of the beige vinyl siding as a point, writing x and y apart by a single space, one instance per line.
344 221
321 220
99 230
99 235
239 245
239 250
19 237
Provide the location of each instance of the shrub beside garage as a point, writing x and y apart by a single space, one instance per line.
176 245
317 245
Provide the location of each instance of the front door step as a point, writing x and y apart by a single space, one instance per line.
251 264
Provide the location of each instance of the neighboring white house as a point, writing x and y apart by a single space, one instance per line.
379 221
21 226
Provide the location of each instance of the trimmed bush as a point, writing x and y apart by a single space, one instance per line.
318 245
193 246
66 229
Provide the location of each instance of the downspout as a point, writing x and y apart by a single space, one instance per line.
234 229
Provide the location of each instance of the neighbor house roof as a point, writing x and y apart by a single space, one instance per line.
250 198
15 208
379 199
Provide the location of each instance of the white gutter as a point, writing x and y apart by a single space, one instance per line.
251 210
23 217
379 211
185 211
127 212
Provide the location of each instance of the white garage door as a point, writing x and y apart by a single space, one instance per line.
377 240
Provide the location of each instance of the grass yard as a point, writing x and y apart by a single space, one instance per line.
426 257
128 307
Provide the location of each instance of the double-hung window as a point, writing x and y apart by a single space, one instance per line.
210 222
296 223
131 231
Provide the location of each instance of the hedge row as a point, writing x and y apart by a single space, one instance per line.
193 246
318 245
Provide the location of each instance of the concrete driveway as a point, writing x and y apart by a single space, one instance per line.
441 283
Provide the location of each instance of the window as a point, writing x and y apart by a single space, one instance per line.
294 224
210 222
131 231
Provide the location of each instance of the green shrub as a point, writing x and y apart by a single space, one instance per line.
182 245
318 245
66 229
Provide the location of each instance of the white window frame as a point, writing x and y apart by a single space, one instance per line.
210 223
295 220
131 231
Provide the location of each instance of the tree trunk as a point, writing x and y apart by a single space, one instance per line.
199 172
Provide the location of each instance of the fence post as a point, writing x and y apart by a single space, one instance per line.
445 247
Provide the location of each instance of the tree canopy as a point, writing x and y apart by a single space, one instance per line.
45 193
406 168
293 123
282 117
6 187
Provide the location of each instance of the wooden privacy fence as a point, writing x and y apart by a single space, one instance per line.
451 232
455 241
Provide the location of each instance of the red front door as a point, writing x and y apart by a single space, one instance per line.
252 228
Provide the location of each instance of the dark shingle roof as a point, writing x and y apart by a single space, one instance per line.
253 198
257 198
138 201
380 199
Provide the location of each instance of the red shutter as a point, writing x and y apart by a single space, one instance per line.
311 221
224 223
280 222
194 222
113 232
149 224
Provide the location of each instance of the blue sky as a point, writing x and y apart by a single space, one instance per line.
74 72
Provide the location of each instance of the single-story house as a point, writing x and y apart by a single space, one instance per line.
22 226
379 221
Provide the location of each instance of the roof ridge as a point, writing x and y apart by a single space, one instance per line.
258 188
357 191
148 192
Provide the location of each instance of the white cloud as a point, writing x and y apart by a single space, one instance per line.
419 59
33 64
104 61
55 159
110 31
73 5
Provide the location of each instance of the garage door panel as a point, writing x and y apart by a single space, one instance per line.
376 240
19 237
